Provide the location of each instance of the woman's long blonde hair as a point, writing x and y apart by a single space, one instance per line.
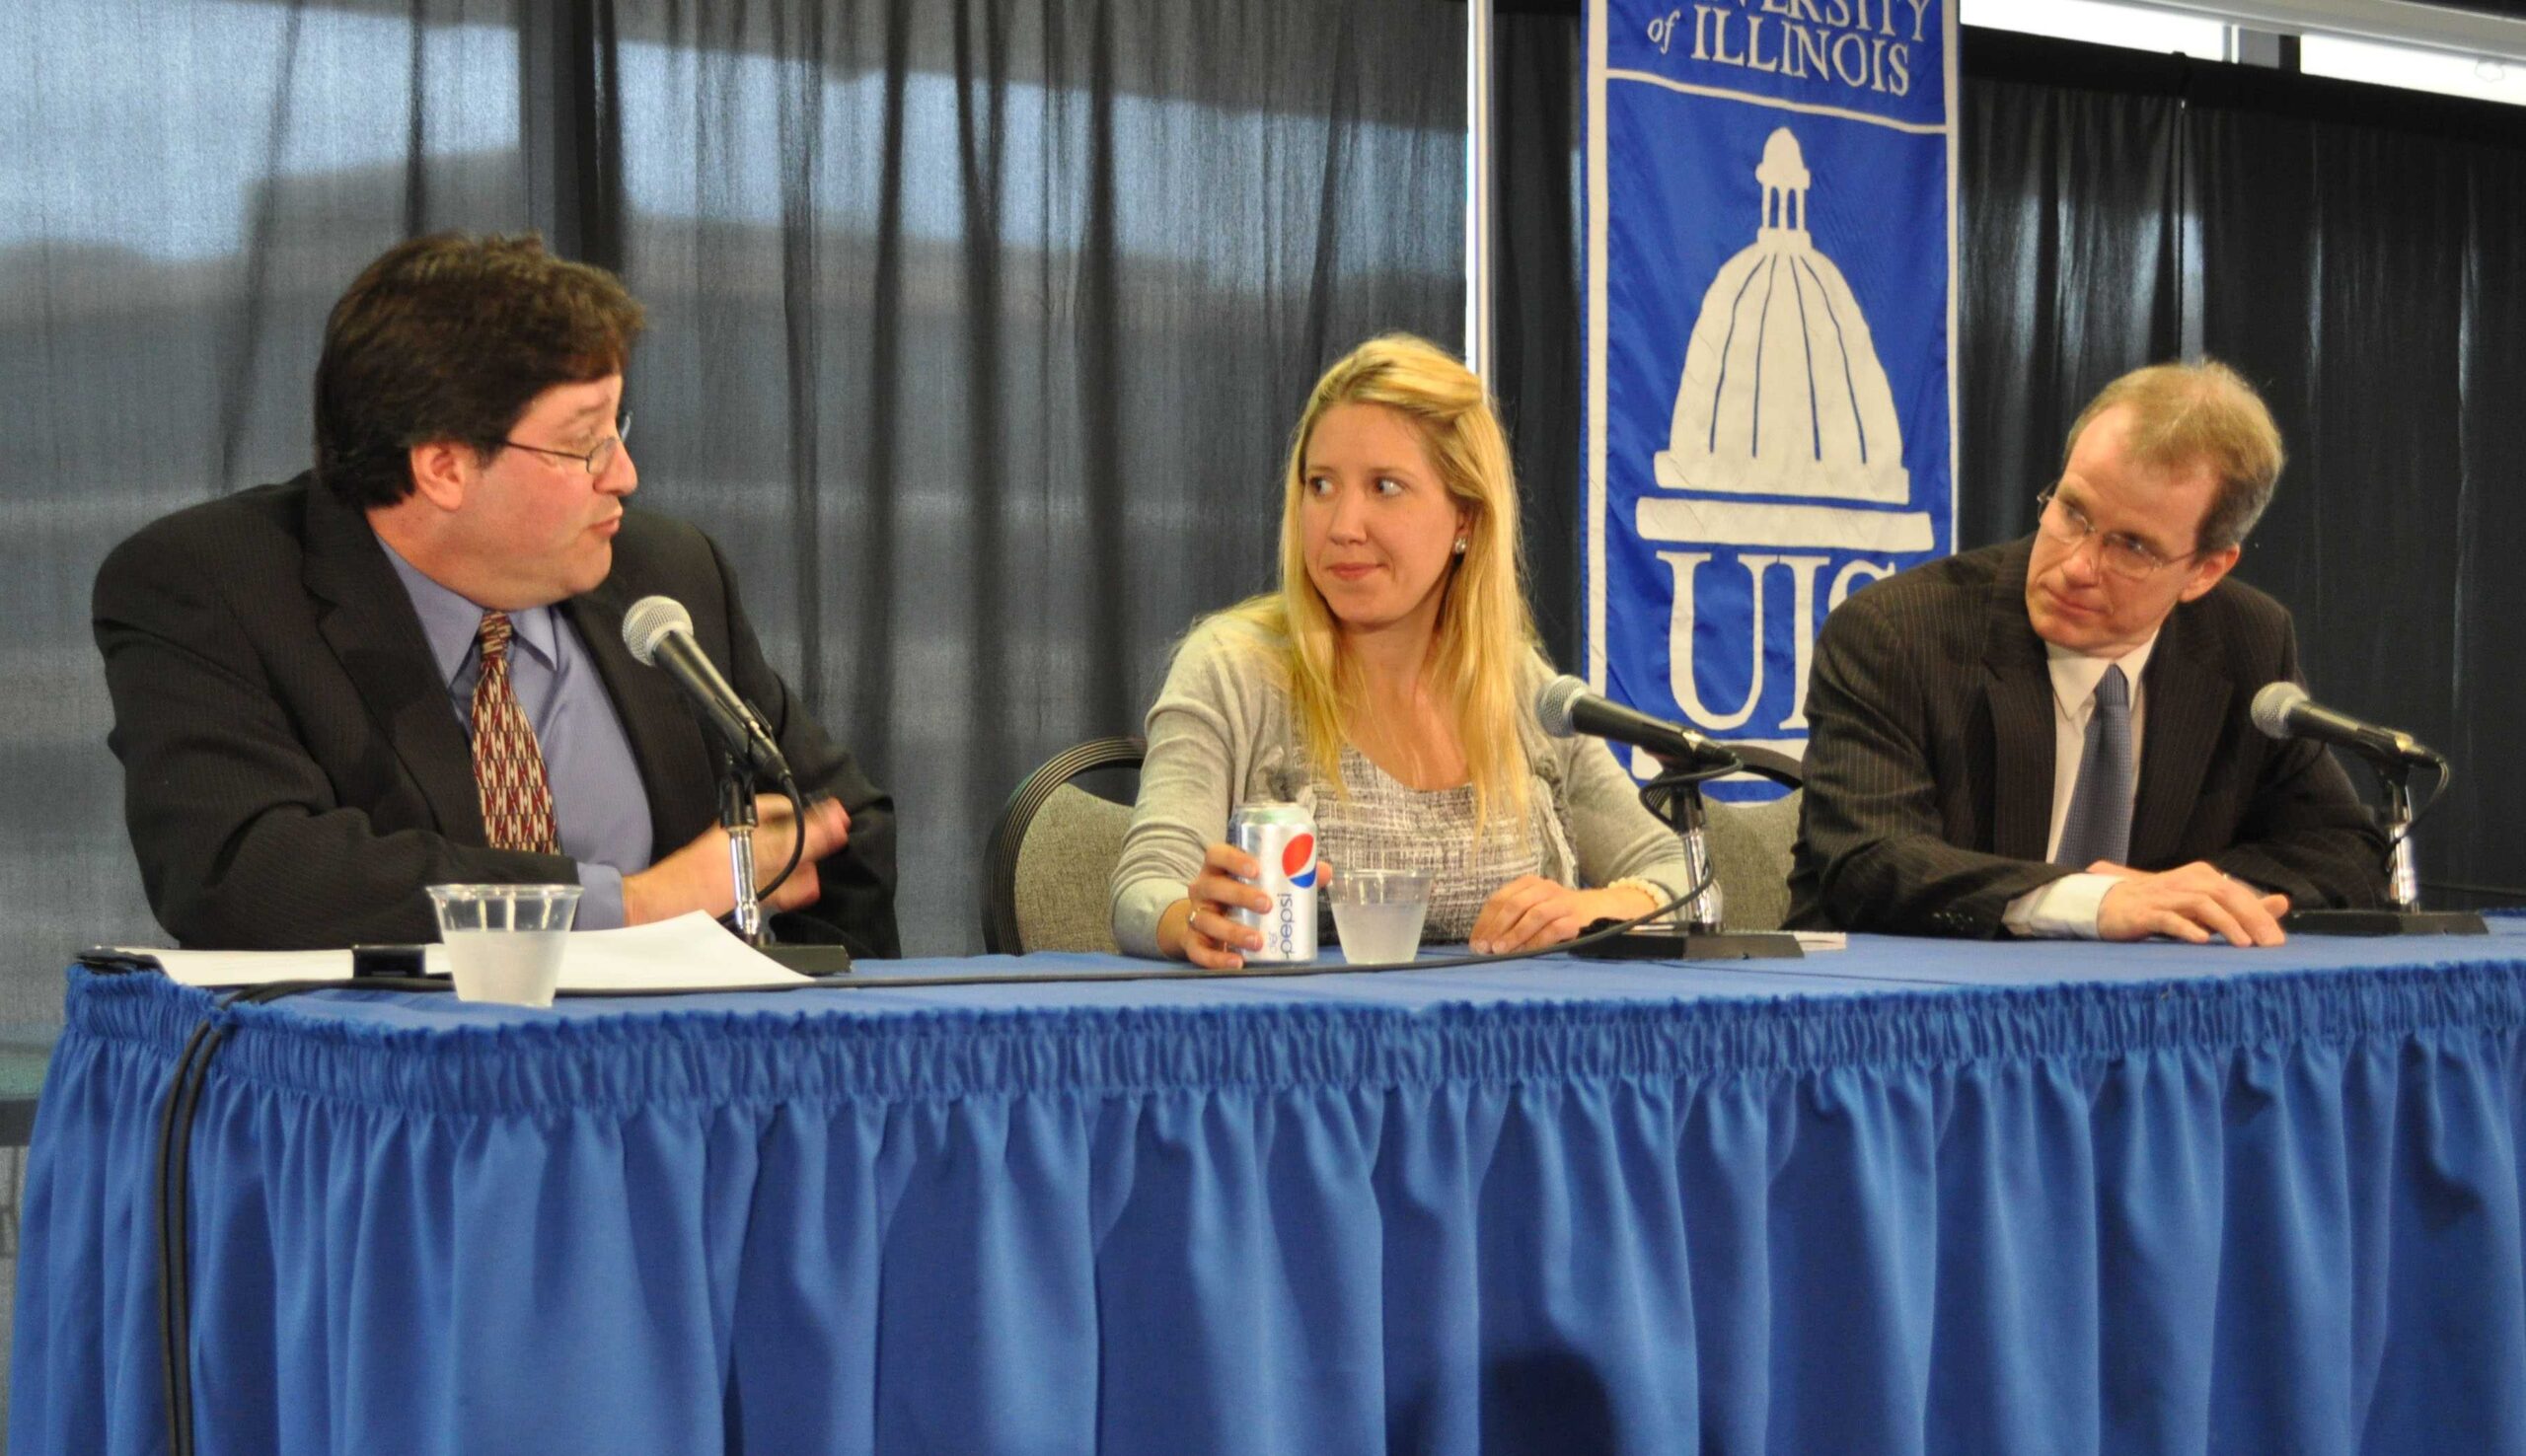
1485 635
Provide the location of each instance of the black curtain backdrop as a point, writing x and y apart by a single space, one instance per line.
2387 302
2073 272
1538 231
2358 252
2353 251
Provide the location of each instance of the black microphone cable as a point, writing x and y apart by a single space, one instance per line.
797 835
2514 894
2444 774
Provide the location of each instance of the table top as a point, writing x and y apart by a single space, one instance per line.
1873 965
1881 1001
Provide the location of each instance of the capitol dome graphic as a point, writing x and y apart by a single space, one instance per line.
1782 396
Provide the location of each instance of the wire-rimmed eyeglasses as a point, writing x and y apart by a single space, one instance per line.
2118 551
597 457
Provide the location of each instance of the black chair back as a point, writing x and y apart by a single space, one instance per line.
1002 934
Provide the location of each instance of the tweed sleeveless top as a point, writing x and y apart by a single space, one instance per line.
1381 823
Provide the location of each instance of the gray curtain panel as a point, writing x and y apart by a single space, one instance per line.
187 187
977 329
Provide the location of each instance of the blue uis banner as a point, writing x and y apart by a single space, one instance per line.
1771 305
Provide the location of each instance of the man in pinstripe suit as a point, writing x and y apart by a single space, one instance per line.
2049 737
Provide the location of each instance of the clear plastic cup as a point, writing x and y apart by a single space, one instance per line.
1378 912
504 941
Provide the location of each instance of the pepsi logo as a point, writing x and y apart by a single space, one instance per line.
1297 861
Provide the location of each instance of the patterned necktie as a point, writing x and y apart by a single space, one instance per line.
508 764
2099 823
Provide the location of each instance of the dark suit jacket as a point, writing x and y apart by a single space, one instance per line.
293 773
1929 759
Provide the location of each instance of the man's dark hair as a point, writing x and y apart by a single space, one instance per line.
451 337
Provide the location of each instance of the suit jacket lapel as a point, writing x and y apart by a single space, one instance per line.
2019 686
369 623
677 767
2185 705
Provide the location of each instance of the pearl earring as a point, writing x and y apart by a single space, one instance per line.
1461 545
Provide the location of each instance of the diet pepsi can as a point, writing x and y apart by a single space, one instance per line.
1282 837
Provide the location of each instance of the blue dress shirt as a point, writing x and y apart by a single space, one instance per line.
598 800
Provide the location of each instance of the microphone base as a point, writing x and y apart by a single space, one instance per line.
1693 945
2383 923
810 960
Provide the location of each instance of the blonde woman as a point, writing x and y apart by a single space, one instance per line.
1388 687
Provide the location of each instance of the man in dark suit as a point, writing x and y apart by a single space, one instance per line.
2051 737
406 667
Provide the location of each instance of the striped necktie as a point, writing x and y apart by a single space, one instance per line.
508 764
2099 826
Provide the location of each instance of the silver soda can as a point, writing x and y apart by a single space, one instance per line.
1282 837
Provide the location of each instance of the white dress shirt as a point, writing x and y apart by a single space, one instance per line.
2068 905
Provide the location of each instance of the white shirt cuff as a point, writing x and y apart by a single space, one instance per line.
2064 910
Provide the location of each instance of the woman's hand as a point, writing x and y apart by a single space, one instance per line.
1197 928
1530 912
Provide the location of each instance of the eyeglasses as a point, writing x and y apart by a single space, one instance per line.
2119 552
597 459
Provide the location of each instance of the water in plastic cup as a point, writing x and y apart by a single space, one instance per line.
1379 914
504 941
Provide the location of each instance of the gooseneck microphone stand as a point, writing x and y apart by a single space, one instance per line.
2403 874
1699 932
1691 823
2403 869
737 817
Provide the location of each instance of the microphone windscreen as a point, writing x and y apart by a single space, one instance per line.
1556 704
2273 705
647 623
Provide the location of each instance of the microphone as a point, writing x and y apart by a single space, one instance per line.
659 632
2283 709
1567 708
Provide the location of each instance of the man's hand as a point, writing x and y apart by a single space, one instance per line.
2192 902
695 877
1197 928
1530 912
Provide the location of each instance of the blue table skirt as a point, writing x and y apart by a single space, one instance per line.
1913 1197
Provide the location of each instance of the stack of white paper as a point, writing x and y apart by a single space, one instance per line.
692 952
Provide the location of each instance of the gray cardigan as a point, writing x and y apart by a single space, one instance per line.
1220 733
